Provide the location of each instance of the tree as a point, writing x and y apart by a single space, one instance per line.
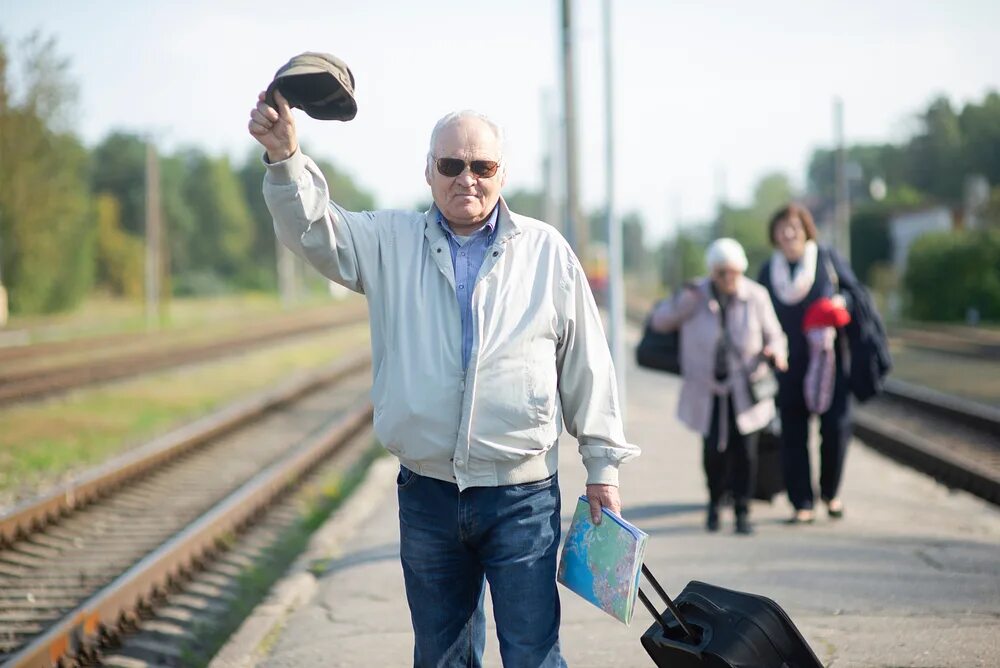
933 156
344 190
683 257
871 242
119 256
749 225
119 168
220 246
251 177
527 203
884 161
46 222
980 129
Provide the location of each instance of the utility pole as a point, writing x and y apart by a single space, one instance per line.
153 237
842 206
616 282
575 225
4 311
552 213
4 306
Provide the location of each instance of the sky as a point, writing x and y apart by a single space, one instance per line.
708 96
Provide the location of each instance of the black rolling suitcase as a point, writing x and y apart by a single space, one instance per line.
722 628
770 478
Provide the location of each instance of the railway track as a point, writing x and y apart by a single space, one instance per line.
124 356
81 563
952 439
955 440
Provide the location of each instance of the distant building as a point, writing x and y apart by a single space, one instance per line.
905 228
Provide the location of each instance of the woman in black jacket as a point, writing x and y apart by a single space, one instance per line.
799 273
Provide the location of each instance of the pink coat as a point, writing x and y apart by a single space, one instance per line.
751 323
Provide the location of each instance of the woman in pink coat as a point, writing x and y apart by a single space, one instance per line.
719 364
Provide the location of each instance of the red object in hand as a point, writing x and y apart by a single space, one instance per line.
825 313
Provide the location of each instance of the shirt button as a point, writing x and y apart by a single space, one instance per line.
461 286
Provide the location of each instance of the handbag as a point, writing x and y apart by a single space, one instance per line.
763 387
659 350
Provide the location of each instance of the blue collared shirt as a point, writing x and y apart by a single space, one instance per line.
467 259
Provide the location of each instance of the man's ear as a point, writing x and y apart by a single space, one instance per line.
503 175
427 172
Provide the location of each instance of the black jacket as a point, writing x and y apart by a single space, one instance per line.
867 343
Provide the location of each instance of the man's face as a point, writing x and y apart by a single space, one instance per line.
466 200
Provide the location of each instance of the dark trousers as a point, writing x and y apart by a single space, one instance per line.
734 468
835 434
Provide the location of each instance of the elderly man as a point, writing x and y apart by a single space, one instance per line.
485 336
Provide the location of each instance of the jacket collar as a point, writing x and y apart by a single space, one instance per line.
506 227
742 291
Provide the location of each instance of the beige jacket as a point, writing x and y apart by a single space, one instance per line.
751 323
539 355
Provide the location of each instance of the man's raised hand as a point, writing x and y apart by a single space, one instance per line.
274 128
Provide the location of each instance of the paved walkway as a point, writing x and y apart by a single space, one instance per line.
910 577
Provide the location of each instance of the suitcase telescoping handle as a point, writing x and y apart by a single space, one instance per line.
670 605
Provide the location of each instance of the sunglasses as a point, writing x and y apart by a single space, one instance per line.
452 167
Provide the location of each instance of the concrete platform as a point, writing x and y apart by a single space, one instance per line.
910 576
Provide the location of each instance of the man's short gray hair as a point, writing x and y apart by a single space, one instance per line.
456 116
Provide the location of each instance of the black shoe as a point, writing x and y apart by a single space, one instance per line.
743 525
835 509
712 521
802 516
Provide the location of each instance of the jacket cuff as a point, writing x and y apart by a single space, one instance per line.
601 471
286 171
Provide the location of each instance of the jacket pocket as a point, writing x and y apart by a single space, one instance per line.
542 385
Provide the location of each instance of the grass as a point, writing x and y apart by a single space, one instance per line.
976 379
102 315
40 443
316 501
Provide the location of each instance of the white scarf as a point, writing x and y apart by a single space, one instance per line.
787 289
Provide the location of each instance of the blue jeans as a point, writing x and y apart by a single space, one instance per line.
452 542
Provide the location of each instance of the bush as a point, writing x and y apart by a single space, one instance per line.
948 274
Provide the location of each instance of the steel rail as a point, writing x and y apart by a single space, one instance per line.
33 384
951 468
76 635
35 514
950 407
17 351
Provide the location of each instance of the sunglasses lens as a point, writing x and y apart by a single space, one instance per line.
484 169
450 167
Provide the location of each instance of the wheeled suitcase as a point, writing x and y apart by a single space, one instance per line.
770 478
721 628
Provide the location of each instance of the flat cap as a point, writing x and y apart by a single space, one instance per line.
318 83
